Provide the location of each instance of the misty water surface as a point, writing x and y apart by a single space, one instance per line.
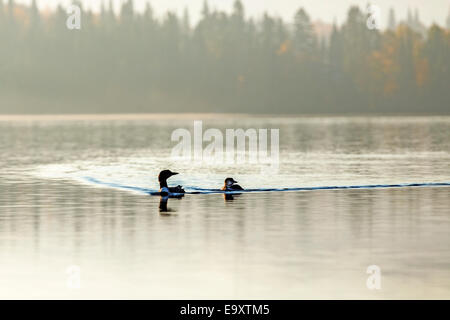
307 244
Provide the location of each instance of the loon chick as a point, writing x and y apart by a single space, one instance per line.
230 185
164 189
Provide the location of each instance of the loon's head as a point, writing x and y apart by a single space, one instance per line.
229 182
165 174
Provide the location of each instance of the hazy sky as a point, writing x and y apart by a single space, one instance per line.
326 10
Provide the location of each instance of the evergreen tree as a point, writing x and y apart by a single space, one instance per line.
391 21
205 10
304 37
448 20
336 49
437 51
409 19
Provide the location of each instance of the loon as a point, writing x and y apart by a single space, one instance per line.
164 189
230 185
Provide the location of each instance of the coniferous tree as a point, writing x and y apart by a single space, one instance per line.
448 20
437 51
304 37
392 24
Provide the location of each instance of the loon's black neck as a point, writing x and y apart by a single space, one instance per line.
163 184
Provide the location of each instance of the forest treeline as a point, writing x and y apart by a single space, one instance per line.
135 62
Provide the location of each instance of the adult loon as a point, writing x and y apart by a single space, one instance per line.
230 185
164 188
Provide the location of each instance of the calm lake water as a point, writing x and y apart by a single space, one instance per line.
270 245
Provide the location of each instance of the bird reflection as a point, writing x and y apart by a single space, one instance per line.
163 203
230 196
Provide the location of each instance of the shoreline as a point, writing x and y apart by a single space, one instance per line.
194 116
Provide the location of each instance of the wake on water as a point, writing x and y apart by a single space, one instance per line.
197 190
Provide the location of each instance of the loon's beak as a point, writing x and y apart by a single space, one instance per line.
174 173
